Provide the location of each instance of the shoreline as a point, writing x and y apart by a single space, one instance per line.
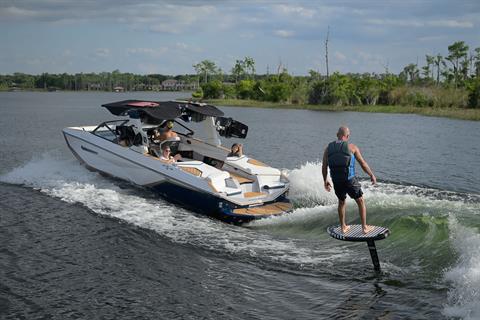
453 113
93 91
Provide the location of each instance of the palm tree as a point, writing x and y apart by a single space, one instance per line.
457 51
206 67
238 69
438 61
249 64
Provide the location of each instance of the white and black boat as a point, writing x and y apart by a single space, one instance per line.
234 189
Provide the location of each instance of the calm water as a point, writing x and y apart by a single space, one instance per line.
76 245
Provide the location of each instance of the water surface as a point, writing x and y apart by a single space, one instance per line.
76 245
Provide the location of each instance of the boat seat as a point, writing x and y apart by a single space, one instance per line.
240 179
218 181
192 170
251 166
254 194
218 178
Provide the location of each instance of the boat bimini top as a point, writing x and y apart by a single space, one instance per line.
155 112
162 110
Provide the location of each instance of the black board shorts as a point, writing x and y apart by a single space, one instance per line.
351 187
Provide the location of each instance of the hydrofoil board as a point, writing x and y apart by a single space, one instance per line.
355 233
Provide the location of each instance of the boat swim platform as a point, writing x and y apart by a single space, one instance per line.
355 233
267 209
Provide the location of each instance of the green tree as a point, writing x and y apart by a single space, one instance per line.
428 68
238 70
473 87
228 91
476 61
438 61
244 89
205 68
367 91
212 89
314 75
249 65
411 72
456 53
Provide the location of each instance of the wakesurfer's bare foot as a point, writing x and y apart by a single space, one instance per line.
345 228
367 229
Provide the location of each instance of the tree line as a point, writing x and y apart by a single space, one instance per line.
104 81
452 80
443 81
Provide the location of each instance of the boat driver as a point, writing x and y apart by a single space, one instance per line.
166 154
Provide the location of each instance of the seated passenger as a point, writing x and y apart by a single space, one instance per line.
168 133
123 142
166 155
155 136
236 150
124 135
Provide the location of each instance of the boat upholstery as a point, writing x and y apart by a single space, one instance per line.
252 167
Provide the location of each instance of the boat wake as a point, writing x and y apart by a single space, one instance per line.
435 234
70 182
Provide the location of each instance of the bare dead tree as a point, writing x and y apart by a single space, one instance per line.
385 67
280 66
326 49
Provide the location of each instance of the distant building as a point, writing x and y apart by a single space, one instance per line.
170 85
176 85
14 87
190 86
95 86
119 89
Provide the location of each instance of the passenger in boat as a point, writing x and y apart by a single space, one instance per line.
155 135
168 133
340 156
236 150
124 136
123 142
166 155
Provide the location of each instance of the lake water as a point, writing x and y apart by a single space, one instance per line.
76 245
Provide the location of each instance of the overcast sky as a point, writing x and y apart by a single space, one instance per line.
168 37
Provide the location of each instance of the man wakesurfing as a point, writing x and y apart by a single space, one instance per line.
340 156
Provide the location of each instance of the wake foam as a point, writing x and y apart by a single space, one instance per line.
48 170
464 297
71 182
306 186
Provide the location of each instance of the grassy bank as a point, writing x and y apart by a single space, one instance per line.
454 113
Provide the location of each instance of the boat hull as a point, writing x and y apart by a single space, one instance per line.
210 205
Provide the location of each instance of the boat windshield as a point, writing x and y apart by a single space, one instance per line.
107 130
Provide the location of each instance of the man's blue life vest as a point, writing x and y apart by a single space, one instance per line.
340 161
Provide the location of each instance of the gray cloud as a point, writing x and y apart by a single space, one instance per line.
447 23
363 34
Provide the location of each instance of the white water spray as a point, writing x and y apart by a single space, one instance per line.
464 296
